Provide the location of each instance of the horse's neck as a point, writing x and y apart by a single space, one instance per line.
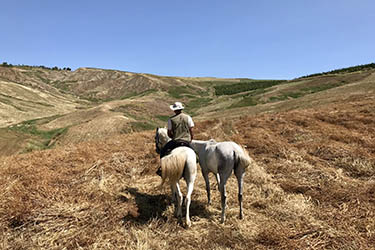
165 140
204 143
164 136
199 146
198 143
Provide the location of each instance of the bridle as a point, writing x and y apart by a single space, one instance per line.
157 142
160 140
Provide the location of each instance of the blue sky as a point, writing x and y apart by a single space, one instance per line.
269 39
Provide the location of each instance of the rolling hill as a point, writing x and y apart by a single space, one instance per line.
41 107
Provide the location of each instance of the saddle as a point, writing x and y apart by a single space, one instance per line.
172 145
169 147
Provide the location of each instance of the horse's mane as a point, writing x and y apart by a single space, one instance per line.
212 141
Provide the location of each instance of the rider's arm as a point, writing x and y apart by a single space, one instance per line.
191 133
170 132
191 126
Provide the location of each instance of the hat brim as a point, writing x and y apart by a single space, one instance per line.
175 108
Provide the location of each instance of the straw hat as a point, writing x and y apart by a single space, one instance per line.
176 106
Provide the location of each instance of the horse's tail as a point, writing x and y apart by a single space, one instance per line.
172 168
242 158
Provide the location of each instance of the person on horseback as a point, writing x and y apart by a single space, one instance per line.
180 129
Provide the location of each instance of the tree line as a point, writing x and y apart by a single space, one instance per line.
344 70
5 64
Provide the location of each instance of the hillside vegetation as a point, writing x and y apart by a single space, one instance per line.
345 70
88 103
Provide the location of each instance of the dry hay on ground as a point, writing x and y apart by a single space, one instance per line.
313 188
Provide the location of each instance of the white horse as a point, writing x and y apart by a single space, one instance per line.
221 158
181 162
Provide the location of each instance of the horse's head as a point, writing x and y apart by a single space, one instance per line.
161 138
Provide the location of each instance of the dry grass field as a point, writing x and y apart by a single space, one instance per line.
313 188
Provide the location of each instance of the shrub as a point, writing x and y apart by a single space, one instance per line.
246 101
5 64
178 91
244 86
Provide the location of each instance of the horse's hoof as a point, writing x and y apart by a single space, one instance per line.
188 224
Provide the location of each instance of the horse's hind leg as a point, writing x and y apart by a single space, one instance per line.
190 186
225 170
207 180
240 173
223 180
217 176
176 190
174 194
223 200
